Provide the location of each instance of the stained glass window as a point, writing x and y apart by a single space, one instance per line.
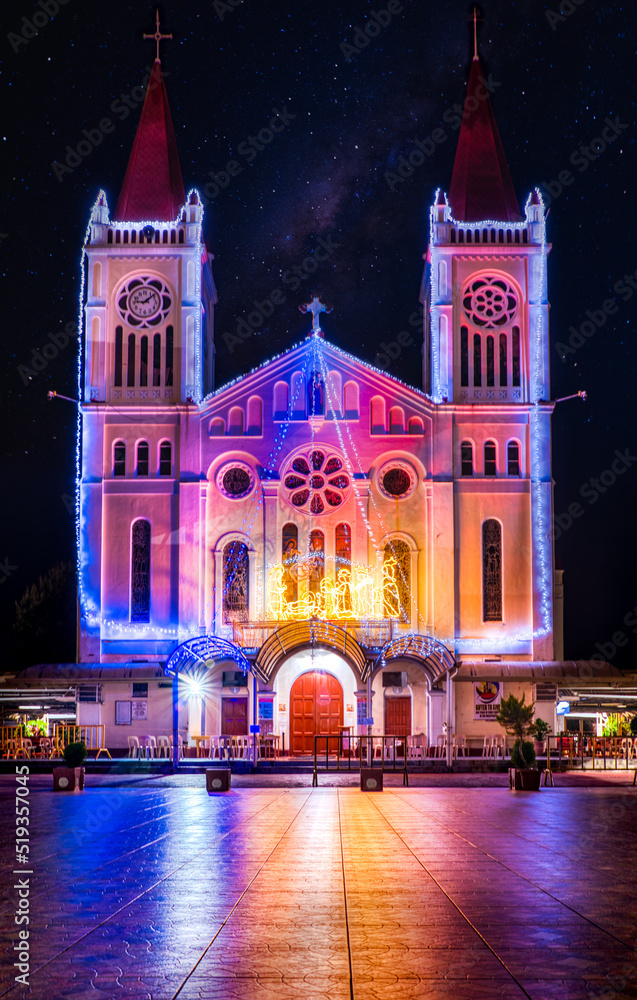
492 571
235 582
140 572
398 582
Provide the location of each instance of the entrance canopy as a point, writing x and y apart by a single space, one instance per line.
313 633
430 655
196 651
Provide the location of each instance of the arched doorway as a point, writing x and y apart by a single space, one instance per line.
316 708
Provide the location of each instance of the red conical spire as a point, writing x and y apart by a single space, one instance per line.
481 186
153 188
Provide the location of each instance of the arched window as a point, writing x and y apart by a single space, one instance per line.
119 459
477 359
377 415
464 355
397 580
140 572
416 425
513 458
396 420
489 458
491 571
119 334
235 421
281 401
351 401
130 379
217 427
165 458
143 362
503 359
343 553
316 562
142 458
515 359
291 554
466 458
169 354
490 361
157 359
235 582
255 419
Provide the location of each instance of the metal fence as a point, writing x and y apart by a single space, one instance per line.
602 753
350 753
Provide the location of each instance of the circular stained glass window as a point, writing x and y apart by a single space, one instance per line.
316 481
489 302
397 480
236 480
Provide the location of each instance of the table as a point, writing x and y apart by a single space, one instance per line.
198 741
268 745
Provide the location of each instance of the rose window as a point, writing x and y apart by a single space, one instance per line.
235 480
316 481
489 302
397 480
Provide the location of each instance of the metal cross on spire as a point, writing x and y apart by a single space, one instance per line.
475 32
158 35
316 307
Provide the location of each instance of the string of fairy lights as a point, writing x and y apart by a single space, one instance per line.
316 361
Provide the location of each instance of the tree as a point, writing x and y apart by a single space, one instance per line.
45 619
517 719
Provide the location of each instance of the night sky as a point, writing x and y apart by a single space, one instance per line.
350 118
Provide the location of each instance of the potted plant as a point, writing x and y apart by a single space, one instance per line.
541 730
71 776
517 719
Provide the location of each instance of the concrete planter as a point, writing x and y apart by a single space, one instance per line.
524 779
540 747
68 779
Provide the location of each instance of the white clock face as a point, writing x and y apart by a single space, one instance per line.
144 302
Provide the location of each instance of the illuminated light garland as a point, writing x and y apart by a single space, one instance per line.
88 609
540 504
259 495
405 613
352 596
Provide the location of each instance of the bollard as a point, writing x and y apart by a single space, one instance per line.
218 780
371 779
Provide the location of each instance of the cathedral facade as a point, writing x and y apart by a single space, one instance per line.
316 544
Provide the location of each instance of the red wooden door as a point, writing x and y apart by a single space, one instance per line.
398 716
234 716
316 707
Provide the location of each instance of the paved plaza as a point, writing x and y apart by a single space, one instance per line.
153 890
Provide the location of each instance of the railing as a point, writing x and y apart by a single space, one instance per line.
366 632
93 736
341 750
618 753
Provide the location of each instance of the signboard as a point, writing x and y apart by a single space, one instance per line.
139 710
266 709
487 696
563 708
361 712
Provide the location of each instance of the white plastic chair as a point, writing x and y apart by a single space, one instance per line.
441 746
180 745
163 746
133 746
461 746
